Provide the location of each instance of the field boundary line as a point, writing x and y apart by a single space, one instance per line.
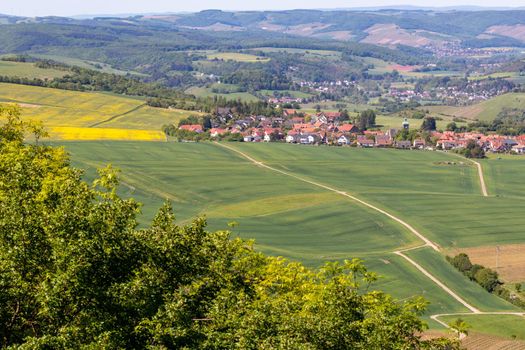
116 116
427 241
482 183
473 309
504 313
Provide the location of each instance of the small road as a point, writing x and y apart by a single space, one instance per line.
439 283
482 183
481 178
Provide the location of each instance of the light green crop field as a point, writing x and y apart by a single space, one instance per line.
238 57
66 108
311 53
486 110
501 75
442 201
149 118
28 70
388 122
290 93
504 175
285 216
99 66
291 218
508 326
207 92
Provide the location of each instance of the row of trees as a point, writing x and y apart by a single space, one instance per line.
487 278
76 272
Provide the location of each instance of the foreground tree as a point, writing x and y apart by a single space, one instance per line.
75 272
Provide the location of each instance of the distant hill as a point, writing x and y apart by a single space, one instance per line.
419 26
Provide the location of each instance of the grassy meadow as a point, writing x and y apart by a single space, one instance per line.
28 70
442 201
238 57
290 218
486 110
508 326
207 92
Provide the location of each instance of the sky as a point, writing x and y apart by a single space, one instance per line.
83 7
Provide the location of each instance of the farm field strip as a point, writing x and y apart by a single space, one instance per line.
405 224
314 224
430 275
482 183
68 113
93 134
402 222
307 224
479 298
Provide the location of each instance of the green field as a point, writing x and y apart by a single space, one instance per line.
500 75
486 110
327 54
98 66
207 92
395 122
291 218
507 326
442 201
238 57
28 70
290 93
504 175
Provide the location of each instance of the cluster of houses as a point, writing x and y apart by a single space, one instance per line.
449 140
470 93
327 128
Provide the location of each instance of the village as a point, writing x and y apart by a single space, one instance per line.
328 129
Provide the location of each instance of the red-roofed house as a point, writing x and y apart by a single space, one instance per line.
214 132
348 128
289 112
192 127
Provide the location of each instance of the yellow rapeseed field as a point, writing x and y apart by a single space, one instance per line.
90 134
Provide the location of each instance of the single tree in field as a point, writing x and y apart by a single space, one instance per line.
460 327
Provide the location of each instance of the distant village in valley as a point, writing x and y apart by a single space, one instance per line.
333 128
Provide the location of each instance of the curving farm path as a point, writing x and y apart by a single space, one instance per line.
482 183
427 242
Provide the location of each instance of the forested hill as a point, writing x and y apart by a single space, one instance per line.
175 49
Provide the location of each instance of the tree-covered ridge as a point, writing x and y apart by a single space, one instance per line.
76 272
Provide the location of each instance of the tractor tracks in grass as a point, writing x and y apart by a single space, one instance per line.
117 116
427 242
